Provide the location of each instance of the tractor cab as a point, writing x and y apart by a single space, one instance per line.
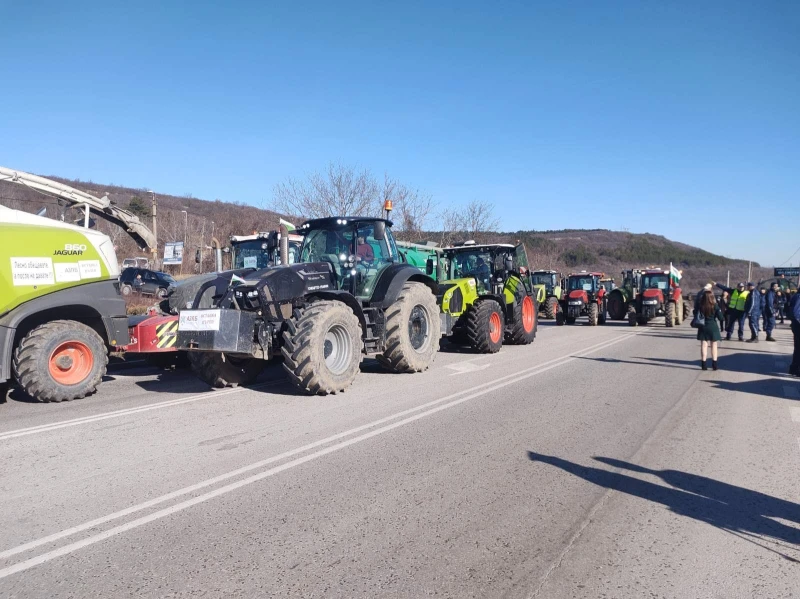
654 286
489 265
358 250
548 279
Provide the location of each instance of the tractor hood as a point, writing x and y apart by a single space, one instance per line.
579 294
283 283
655 294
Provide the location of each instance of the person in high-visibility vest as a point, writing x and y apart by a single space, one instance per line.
736 311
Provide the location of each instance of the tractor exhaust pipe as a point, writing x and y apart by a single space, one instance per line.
284 244
217 253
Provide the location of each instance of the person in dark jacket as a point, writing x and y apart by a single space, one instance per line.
736 311
781 302
752 307
709 332
770 310
793 312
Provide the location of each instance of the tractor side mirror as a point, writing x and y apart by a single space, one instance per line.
429 266
509 263
379 230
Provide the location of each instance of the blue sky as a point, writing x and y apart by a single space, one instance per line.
678 118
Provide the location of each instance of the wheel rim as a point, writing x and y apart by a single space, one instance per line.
527 314
126 290
70 363
495 327
338 349
418 328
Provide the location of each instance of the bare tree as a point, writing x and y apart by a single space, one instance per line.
411 207
340 190
476 220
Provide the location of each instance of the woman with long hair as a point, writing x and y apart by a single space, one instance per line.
709 332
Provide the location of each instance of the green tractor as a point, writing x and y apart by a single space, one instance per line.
549 291
488 297
349 295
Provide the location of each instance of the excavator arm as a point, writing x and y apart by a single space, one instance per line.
102 206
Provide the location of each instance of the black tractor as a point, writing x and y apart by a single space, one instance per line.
348 296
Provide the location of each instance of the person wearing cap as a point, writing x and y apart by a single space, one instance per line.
771 310
752 307
736 312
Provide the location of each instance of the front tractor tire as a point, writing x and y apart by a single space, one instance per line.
220 370
669 318
60 360
678 314
485 326
523 330
322 347
551 308
593 312
413 329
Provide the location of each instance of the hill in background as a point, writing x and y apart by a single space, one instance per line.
565 250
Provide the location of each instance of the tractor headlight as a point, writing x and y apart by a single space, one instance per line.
575 302
650 302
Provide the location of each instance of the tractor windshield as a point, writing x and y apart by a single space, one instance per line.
251 254
477 264
655 281
582 283
544 278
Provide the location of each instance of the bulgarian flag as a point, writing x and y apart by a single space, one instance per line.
674 275
289 225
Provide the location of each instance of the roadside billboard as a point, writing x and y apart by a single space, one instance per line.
173 252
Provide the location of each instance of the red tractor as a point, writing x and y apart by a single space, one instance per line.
586 296
657 297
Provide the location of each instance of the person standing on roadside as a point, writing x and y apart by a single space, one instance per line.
723 306
709 333
781 303
763 292
752 307
770 310
736 311
793 312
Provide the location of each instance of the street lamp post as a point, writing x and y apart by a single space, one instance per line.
155 230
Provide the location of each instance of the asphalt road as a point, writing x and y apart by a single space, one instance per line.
598 462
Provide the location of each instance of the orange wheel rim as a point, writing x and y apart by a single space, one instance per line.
70 363
495 327
527 314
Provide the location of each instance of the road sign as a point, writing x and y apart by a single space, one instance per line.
173 252
788 272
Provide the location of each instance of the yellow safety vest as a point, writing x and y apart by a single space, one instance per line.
738 300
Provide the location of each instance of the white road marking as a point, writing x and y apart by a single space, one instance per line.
464 367
42 428
795 414
791 392
429 408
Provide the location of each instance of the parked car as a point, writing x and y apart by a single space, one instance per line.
136 263
146 282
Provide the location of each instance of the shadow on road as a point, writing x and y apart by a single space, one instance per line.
772 387
736 510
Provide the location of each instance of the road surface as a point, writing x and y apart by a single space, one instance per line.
598 462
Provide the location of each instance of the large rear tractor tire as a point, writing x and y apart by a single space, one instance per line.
220 370
593 313
322 347
60 360
669 317
485 326
523 331
413 330
616 306
551 307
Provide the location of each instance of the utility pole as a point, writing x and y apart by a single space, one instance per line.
749 270
202 243
155 230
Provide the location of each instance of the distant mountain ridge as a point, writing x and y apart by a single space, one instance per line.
564 250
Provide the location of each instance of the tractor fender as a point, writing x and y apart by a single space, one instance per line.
346 298
391 282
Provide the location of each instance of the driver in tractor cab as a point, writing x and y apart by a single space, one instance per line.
364 250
